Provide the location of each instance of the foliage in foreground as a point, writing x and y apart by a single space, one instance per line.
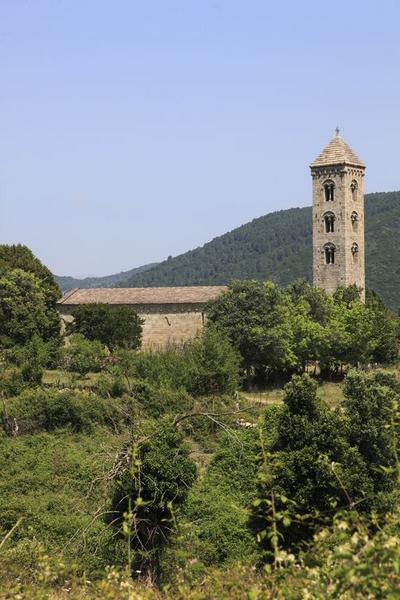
151 485
346 561
322 461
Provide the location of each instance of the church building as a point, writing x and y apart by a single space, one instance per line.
173 315
338 217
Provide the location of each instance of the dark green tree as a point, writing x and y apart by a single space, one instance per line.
114 326
371 406
256 318
21 257
386 330
309 472
24 309
148 491
214 364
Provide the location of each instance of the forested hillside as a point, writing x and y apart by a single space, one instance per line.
277 246
68 283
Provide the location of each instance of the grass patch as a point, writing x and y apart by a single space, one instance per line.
64 378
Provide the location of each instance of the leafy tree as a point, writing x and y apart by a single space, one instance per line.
309 471
256 318
214 364
317 303
114 326
21 257
24 310
371 406
149 491
386 330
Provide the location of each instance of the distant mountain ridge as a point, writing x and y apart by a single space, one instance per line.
68 283
277 246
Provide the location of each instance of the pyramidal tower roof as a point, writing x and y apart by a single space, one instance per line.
337 152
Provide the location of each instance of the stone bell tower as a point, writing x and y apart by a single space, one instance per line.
338 217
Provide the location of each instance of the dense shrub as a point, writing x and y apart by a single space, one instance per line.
168 368
83 356
55 482
214 364
214 526
45 409
158 401
11 381
36 351
208 365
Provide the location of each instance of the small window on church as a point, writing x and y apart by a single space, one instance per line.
330 251
354 220
329 220
354 190
329 191
354 252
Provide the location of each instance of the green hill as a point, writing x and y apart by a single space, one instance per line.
278 247
68 283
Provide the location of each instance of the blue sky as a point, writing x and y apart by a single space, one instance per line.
133 130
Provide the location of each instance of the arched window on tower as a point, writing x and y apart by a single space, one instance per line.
354 220
355 250
329 220
329 190
329 250
354 190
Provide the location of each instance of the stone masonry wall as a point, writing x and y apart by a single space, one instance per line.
164 325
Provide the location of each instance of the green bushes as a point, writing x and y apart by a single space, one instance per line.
56 483
371 407
40 409
83 356
213 530
11 382
208 365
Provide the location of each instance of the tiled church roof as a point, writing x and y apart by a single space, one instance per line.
151 295
337 152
